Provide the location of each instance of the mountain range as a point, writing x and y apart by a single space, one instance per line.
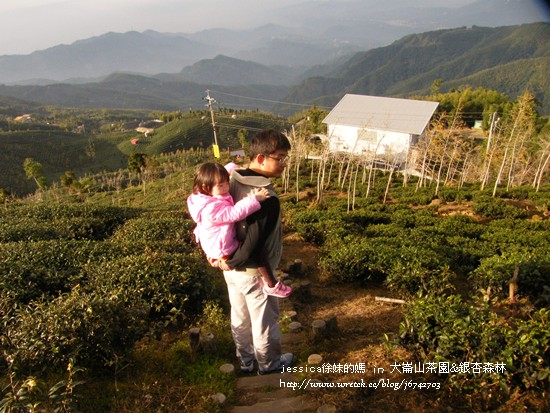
300 36
509 59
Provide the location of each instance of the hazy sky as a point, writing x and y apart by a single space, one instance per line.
29 25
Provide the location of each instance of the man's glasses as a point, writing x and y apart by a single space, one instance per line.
282 159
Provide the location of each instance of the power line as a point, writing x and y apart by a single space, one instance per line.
269 100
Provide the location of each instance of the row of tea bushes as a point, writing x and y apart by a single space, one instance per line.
87 294
448 329
423 257
416 251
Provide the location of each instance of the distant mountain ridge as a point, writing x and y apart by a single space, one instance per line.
508 59
147 52
518 57
226 70
314 32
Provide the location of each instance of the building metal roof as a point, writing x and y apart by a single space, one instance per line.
381 113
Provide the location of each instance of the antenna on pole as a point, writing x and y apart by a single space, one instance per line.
211 101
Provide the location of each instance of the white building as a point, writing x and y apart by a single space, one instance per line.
385 128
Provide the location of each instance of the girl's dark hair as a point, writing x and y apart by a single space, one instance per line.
208 175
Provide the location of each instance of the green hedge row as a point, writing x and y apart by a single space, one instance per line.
417 251
445 328
85 283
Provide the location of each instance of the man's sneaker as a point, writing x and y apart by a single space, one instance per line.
279 290
247 367
286 360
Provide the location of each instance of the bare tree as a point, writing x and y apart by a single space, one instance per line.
544 160
392 169
521 128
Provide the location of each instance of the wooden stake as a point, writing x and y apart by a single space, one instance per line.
390 300
513 285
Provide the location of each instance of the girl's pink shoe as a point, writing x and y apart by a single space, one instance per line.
279 290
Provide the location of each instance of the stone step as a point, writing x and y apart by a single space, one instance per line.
272 380
286 405
267 395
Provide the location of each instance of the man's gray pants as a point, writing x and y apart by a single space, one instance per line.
254 319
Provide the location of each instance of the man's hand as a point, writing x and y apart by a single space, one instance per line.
218 263
223 265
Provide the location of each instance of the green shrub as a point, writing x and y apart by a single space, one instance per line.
496 208
358 258
93 329
461 225
364 218
519 193
411 278
169 234
534 266
411 196
444 328
47 222
30 270
465 253
317 226
166 281
505 233
404 218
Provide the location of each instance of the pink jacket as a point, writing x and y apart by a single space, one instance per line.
215 217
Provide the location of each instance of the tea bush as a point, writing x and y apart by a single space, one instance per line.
356 257
411 278
453 194
446 329
48 222
85 283
461 225
91 328
416 251
411 196
169 234
164 280
495 272
510 233
317 225
496 208
42 269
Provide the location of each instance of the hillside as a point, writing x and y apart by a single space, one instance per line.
59 150
455 56
147 52
113 277
508 59
193 132
230 71
142 92
297 35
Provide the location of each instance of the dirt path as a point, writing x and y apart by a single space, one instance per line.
358 341
362 341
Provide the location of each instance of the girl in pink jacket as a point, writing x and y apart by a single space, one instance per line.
212 208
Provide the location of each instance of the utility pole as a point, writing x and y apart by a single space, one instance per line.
210 101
